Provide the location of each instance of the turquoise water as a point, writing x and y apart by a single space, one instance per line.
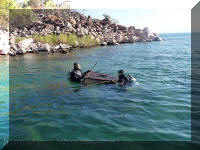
4 99
45 105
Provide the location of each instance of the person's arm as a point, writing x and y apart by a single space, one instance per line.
125 78
85 73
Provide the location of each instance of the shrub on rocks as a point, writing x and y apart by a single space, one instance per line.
21 18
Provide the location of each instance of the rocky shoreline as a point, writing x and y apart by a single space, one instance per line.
19 41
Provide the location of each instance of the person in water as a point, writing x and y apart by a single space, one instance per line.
76 74
122 79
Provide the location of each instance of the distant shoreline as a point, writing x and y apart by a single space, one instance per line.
64 31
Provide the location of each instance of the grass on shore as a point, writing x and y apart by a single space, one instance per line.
18 39
72 40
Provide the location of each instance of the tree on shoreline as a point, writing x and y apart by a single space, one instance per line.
6 5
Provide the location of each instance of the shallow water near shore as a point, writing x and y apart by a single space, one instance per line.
45 105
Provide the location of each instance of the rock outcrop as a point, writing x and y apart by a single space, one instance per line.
105 32
4 42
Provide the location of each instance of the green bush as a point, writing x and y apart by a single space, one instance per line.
18 39
68 39
51 39
71 40
19 18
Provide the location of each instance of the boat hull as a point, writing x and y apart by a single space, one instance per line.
98 78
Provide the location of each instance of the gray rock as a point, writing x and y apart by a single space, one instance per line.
11 53
118 38
111 42
104 44
120 27
57 28
72 21
33 46
44 48
64 46
14 47
49 27
133 39
20 52
78 25
131 29
25 43
29 51
68 25
157 39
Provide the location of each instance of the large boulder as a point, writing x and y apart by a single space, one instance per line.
20 52
89 21
51 19
120 27
44 48
104 43
157 39
68 25
146 30
49 27
72 21
131 29
78 25
64 46
141 34
14 47
111 42
24 44
106 21
132 39
12 53
33 46
4 42
154 37
151 36
119 38
35 23
82 32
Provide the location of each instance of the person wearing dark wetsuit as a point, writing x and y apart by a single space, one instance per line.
122 79
76 74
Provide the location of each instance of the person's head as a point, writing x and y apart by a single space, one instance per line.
120 72
77 66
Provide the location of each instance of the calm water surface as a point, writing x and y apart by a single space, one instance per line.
45 105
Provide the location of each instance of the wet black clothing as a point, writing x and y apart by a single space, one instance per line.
122 79
76 75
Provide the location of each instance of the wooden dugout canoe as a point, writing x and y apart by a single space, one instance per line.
98 78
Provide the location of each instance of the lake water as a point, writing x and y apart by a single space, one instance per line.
45 105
